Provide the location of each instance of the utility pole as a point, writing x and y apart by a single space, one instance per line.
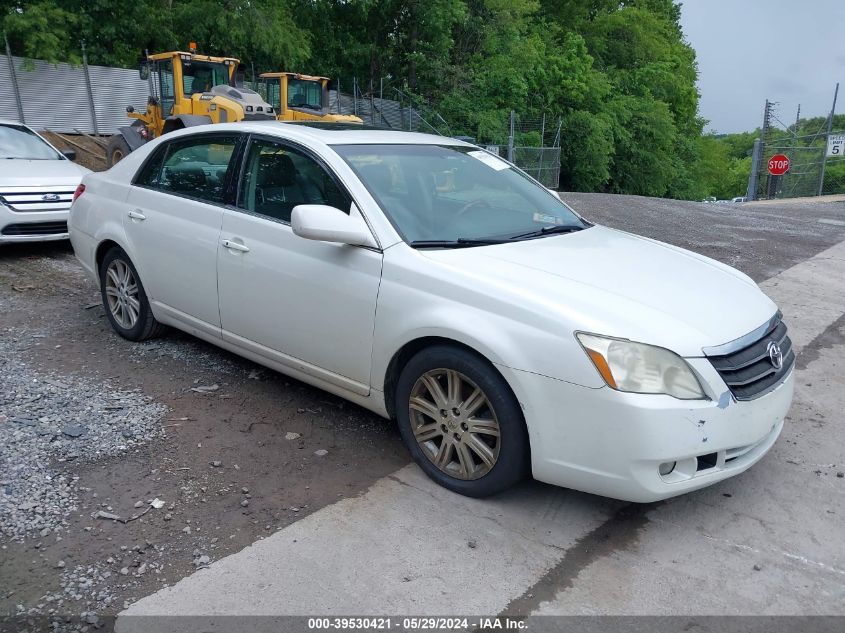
754 177
757 154
18 101
826 137
90 91
510 137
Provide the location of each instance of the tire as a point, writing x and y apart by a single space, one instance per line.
466 466
116 150
133 320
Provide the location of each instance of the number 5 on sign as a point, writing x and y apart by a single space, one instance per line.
836 146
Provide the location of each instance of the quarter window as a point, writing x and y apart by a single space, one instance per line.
278 178
193 167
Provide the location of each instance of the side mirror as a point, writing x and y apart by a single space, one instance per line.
327 224
144 70
69 154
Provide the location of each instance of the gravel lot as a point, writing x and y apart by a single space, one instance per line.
233 450
90 423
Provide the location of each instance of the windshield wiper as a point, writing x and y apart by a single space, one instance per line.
547 230
461 242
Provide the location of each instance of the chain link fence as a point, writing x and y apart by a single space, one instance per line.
816 161
816 166
534 146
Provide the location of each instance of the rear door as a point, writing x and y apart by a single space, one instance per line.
173 225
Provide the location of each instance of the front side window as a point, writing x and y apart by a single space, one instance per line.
304 93
277 178
17 141
193 167
200 77
456 194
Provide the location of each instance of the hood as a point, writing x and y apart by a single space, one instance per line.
614 283
31 173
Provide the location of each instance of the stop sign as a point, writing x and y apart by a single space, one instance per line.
778 165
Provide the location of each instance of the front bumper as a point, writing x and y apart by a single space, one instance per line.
613 444
33 226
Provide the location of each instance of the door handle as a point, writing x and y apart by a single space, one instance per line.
136 214
235 246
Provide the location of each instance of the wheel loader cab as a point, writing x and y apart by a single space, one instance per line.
298 97
186 89
176 77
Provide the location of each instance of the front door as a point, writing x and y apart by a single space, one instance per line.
308 304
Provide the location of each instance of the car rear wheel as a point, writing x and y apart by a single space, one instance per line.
124 298
461 422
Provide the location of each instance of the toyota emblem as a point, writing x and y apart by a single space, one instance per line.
775 354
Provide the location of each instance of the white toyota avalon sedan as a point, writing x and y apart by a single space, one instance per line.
435 284
37 182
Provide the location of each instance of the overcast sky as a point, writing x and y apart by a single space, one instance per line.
789 51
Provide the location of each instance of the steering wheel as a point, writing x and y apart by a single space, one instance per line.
481 203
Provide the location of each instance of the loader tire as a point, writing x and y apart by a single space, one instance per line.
116 150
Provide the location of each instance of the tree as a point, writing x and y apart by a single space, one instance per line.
116 33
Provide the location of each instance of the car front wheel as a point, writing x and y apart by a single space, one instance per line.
461 422
124 298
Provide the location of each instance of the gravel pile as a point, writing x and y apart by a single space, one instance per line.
45 421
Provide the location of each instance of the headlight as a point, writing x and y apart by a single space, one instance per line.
640 368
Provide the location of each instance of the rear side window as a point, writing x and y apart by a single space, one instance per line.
195 167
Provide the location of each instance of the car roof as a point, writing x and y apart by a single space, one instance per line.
339 133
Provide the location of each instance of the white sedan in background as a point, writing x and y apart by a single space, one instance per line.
37 182
431 282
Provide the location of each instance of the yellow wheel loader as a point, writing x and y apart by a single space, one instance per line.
187 89
297 97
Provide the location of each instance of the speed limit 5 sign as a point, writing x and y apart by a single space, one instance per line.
836 146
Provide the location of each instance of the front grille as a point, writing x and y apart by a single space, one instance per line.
37 198
749 372
36 228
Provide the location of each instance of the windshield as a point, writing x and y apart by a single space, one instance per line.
304 93
436 193
203 76
17 141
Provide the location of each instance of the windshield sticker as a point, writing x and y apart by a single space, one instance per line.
542 218
488 159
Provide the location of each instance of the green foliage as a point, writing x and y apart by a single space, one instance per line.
117 32
724 165
618 73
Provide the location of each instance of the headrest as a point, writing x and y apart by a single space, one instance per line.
276 170
186 177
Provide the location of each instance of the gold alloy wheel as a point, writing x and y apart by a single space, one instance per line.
454 424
